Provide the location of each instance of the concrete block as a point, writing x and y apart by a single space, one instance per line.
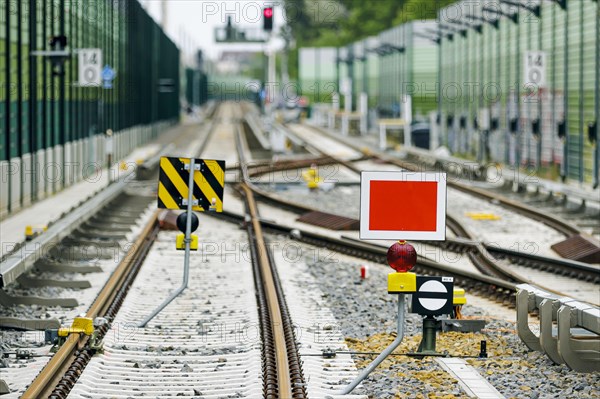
49 171
27 178
68 165
4 183
14 177
60 168
463 325
79 160
40 180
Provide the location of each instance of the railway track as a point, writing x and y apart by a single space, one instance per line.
280 361
587 245
497 289
489 260
570 215
104 232
282 366
60 374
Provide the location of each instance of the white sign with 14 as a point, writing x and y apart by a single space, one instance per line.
90 67
535 69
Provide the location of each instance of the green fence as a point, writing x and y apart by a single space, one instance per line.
399 61
544 127
42 109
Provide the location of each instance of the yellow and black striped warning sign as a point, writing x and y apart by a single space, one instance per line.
209 181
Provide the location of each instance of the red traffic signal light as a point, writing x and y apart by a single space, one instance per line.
402 256
268 18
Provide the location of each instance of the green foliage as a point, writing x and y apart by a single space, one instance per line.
322 23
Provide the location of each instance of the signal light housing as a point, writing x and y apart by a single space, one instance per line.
268 19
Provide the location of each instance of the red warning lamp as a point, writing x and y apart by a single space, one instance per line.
402 256
268 18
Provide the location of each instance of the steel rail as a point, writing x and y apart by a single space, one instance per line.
552 221
495 288
284 386
278 336
75 346
478 252
60 374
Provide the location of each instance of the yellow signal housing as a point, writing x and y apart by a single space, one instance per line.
459 298
180 242
402 283
81 325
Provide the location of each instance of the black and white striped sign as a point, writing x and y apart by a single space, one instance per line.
434 296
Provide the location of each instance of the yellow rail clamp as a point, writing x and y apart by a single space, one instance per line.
459 297
402 282
180 242
482 216
81 325
32 231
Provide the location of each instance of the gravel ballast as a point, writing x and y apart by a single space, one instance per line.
366 316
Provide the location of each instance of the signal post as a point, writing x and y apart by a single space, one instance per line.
403 205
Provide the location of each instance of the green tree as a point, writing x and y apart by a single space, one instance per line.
321 23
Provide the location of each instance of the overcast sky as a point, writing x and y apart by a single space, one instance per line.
191 23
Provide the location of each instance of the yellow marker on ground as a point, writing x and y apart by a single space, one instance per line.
32 231
483 216
312 178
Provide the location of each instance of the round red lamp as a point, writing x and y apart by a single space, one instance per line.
402 256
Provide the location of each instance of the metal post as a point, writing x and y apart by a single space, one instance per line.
188 240
441 139
518 95
529 128
540 96
597 146
428 341
553 92
564 166
481 102
464 115
581 91
383 354
507 149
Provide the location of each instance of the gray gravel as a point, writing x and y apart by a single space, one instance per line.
347 197
367 314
